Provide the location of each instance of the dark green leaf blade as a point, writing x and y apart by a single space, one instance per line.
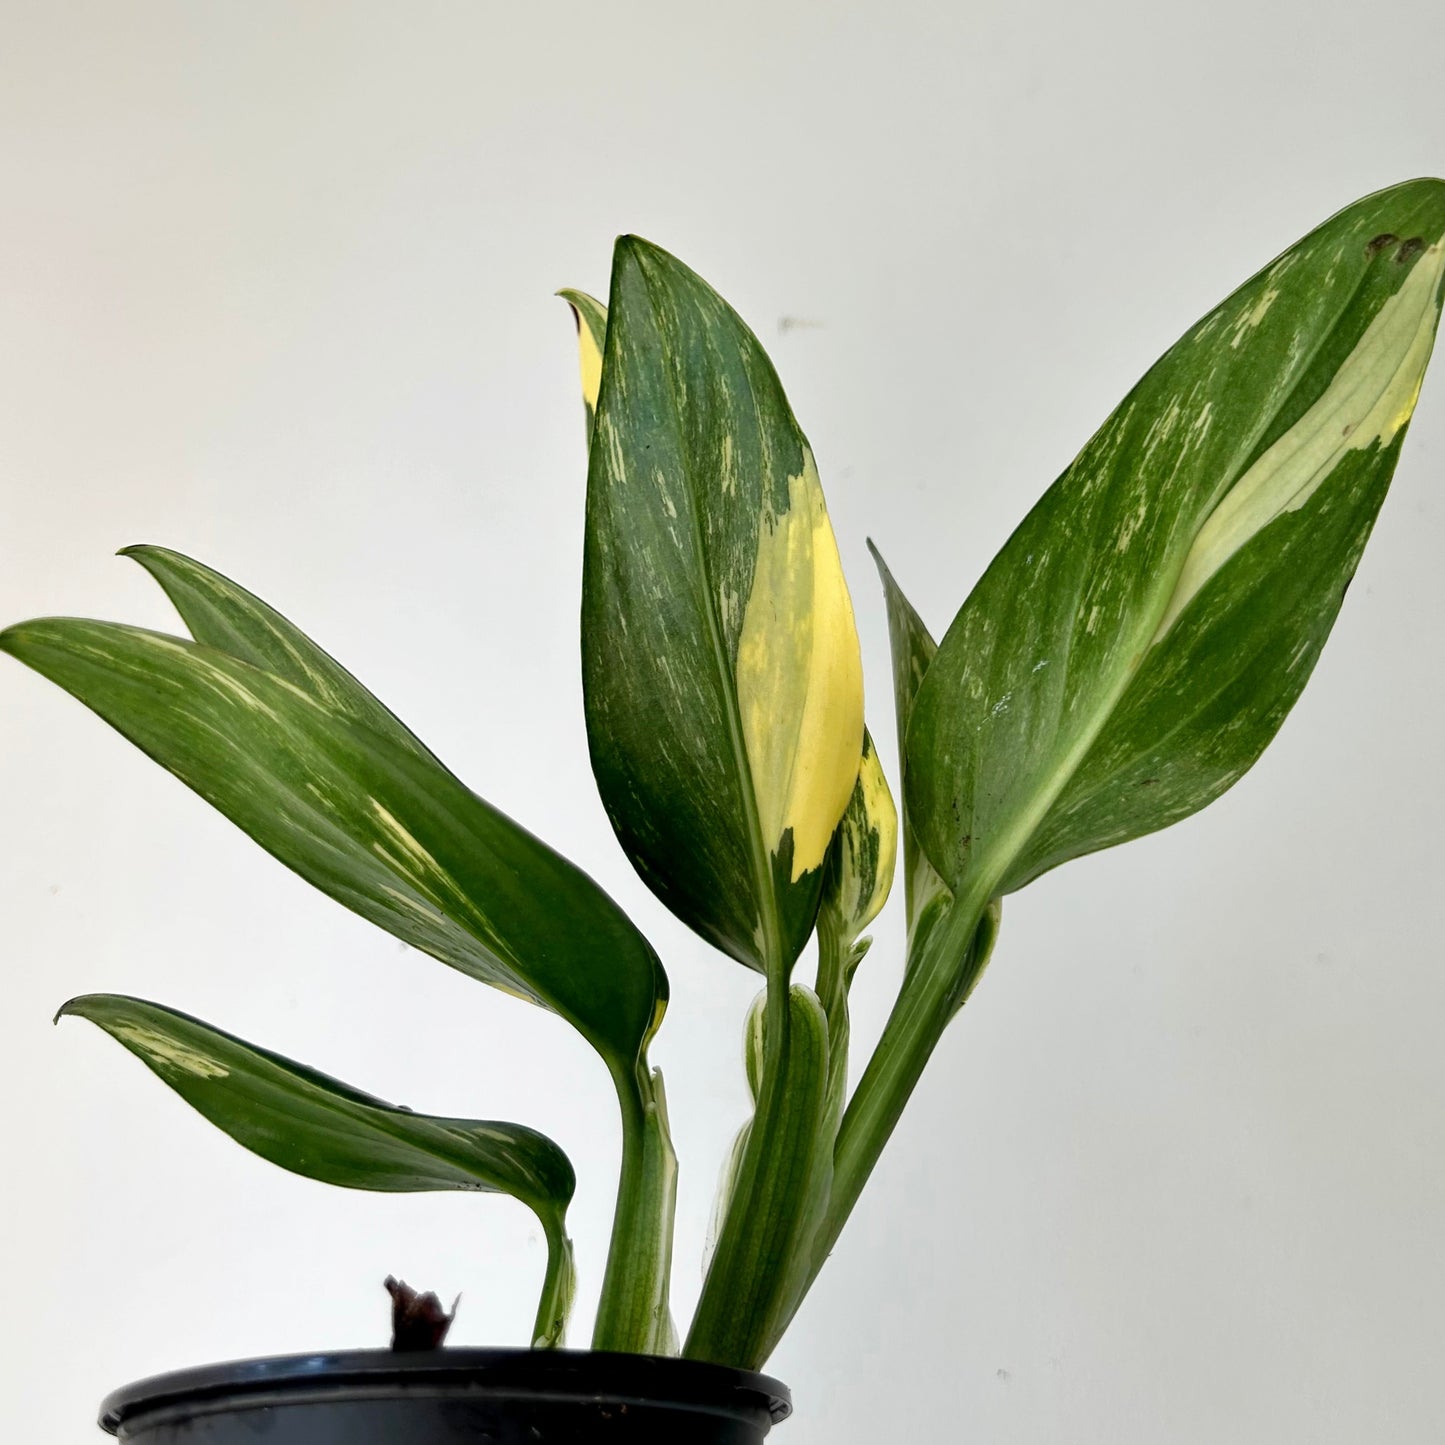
318 1127
380 828
720 661
1086 691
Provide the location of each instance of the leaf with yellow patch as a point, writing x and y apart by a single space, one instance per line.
720 659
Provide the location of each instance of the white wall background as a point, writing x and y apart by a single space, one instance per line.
275 289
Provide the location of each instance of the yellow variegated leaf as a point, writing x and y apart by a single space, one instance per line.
864 851
591 318
721 667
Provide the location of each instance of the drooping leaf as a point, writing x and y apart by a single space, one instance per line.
720 660
320 1128
317 1126
591 318
375 823
1140 638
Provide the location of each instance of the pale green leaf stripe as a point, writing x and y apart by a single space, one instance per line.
369 821
318 1127
1139 639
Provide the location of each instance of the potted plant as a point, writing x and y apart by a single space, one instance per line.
1123 661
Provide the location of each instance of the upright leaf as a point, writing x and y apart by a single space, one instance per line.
1140 638
370 819
323 1129
720 659
591 318
925 893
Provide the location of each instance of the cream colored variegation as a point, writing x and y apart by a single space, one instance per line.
591 318
800 677
868 838
1360 408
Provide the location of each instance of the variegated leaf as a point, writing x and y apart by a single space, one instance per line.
720 660
315 1125
1140 638
591 318
369 818
861 860
320 1128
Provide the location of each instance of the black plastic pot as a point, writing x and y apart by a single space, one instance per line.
450 1397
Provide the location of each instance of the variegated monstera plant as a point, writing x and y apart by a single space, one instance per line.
1125 659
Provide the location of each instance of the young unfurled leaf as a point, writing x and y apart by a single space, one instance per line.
365 814
591 318
859 873
1140 638
720 659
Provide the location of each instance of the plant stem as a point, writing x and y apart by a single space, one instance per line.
763 1242
558 1287
633 1314
930 998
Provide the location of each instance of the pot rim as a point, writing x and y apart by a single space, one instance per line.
584 1374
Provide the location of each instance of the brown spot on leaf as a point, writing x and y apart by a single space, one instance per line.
1409 248
1379 243
418 1321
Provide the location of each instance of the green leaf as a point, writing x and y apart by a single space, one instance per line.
591 318
323 1129
926 895
763 1250
372 821
720 660
1140 638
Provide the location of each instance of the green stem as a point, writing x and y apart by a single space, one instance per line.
558 1287
930 998
633 1314
749 1276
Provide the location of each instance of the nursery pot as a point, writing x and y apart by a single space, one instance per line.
450 1397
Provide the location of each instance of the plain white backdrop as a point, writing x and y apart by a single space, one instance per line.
276 290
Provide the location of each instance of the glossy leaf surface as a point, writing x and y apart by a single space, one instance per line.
1140 638
720 660
369 818
321 1128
